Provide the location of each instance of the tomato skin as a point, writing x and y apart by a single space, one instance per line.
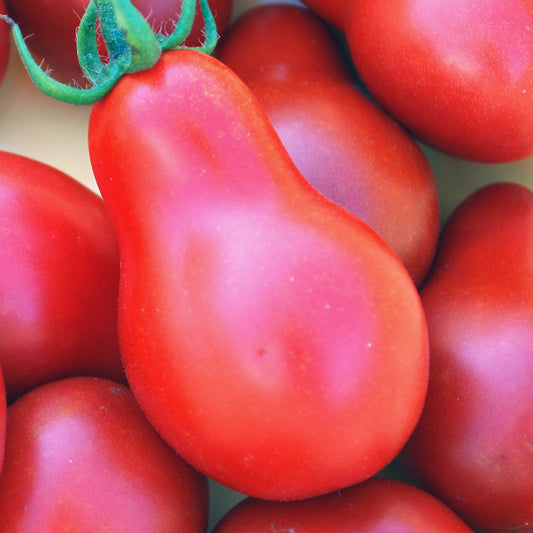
472 445
278 317
335 135
81 456
458 74
60 274
51 27
378 505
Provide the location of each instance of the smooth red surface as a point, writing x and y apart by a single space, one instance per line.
458 74
472 447
60 273
343 144
271 337
80 456
378 505
50 28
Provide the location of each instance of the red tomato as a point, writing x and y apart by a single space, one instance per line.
473 447
59 282
5 36
50 27
457 73
81 456
336 136
271 337
378 505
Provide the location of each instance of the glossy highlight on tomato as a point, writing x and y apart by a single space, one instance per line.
262 327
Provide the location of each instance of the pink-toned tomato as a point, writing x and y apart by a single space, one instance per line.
343 144
271 337
50 28
378 505
80 456
473 445
456 73
59 283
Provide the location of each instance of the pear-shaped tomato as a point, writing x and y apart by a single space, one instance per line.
272 338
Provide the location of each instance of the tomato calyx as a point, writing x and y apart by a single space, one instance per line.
131 45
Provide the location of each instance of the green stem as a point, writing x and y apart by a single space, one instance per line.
211 32
87 47
141 40
56 89
183 27
131 43
113 36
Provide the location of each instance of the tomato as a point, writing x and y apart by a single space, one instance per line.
59 282
378 505
472 447
263 327
50 27
332 132
81 456
335 135
458 74
5 45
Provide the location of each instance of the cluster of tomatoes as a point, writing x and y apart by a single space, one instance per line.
264 295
